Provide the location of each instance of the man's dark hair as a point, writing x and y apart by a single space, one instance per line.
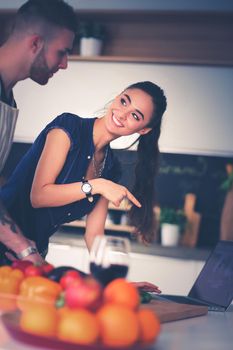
55 13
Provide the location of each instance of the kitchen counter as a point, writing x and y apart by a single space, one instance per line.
210 332
155 263
64 236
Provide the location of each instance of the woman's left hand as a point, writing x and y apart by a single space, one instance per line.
147 287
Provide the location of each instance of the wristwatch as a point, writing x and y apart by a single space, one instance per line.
87 188
26 252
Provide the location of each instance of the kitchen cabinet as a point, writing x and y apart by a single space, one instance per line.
152 263
116 220
182 37
6 18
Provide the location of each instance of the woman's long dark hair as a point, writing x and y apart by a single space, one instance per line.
143 219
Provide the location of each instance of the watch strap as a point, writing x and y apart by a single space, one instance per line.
26 252
88 194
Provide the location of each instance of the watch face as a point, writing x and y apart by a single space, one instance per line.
86 187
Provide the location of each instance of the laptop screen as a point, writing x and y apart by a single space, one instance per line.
215 281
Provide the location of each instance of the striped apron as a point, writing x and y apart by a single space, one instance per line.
8 118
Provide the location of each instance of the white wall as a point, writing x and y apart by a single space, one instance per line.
199 115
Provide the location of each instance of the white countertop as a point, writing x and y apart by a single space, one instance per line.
211 332
65 236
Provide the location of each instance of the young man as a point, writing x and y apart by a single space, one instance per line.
40 40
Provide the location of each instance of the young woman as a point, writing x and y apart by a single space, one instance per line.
70 170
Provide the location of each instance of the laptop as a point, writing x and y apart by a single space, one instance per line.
214 284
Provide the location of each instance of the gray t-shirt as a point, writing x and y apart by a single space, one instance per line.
8 118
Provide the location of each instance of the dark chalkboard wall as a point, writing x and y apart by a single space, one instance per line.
178 174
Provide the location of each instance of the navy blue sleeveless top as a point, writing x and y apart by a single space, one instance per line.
40 223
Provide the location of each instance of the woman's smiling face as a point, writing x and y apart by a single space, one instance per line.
130 112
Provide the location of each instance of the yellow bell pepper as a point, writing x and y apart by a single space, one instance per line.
10 280
37 289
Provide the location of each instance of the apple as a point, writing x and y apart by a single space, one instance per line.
57 273
68 277
85 293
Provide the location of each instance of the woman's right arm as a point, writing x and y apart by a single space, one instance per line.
45 193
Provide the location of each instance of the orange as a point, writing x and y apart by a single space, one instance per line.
119 325
149 325
63 310
78 326
122 292
40 320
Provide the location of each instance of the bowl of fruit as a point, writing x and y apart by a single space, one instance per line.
62 307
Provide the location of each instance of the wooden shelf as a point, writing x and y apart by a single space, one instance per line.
152 60
112 227
174 37
123 207
179 37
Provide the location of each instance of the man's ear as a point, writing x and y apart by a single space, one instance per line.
36 43
144 131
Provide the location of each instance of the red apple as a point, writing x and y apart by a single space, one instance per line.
69 277
84 293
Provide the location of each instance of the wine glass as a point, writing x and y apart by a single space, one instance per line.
109 258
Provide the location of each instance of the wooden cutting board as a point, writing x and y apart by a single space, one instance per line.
169 311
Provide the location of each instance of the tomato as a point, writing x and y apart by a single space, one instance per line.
33 270
21 264
46 268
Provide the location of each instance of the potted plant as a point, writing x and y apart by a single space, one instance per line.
91 36
172 222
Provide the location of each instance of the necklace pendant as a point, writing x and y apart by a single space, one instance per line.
98 169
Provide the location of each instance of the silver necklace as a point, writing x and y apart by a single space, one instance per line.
98 169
